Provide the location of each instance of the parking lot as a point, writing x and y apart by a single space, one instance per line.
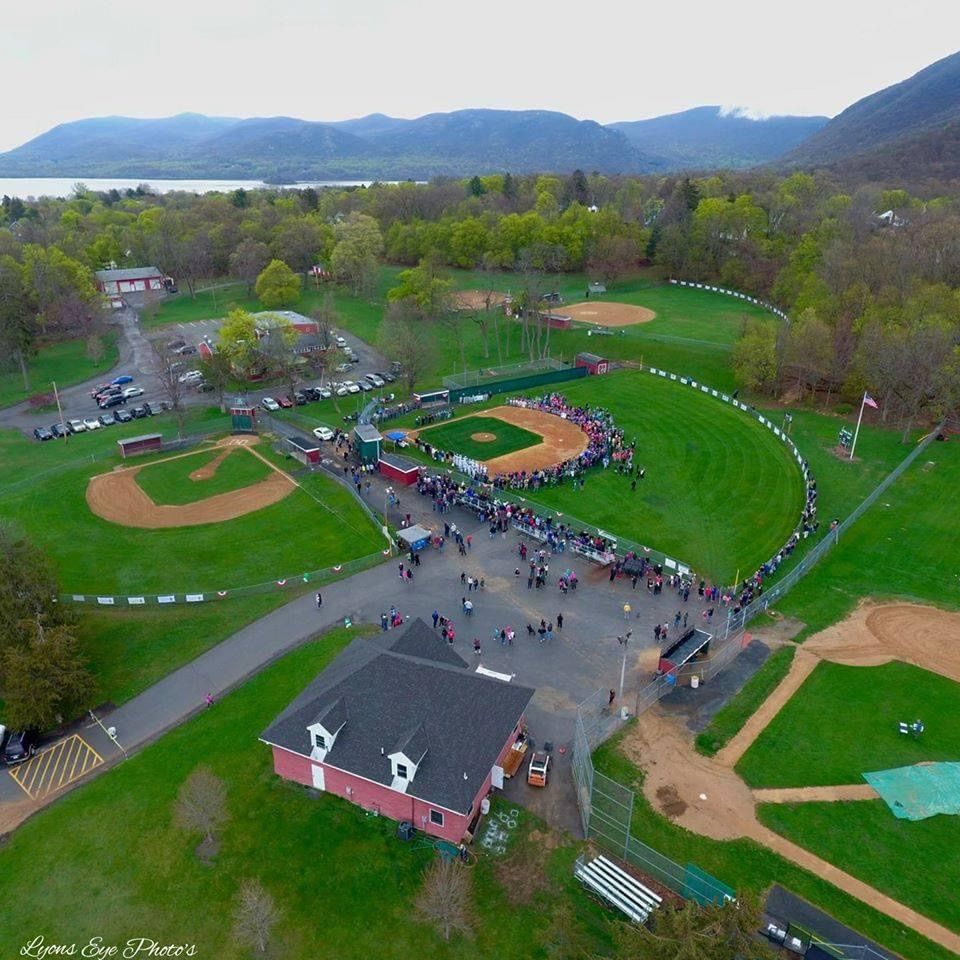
56 767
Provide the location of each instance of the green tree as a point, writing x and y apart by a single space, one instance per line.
277 285
425 289
238 340
218 371
358 245
476 187
60 287
402 339
17 319
28 586
45 677
755 357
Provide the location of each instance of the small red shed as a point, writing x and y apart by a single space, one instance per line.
134 446
399 469
595 364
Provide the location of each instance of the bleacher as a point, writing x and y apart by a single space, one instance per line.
616 887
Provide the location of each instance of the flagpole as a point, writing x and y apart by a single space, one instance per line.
853 446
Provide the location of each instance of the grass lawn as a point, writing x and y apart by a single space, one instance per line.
170 483
843 722
309 530
720 492
727 722
906 546
66 363
912 861
746 865
129 649
108 860
456 436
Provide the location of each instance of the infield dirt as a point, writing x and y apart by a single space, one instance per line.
606 314
117 496
561 440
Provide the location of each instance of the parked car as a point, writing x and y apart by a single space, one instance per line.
299 398
190 376
269 404
311 393
187 350
138 413
59 430
325 393
121 380
91 423
20 746
323 433
343 367
176 344
353 358
354 388
342 391
107 419
340 342
42 433
285 402
204 387
100 389
177 365
76 426
3 738
113 401
131 392
375 380
123 416
389 377
158 406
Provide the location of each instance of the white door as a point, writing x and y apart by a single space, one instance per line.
496 778
318 778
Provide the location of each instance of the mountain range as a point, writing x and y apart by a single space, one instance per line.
908 131
285 149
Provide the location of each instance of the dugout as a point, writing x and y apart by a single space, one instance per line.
135 446
432 398
302 449
399 469
366 441
594 363
693 645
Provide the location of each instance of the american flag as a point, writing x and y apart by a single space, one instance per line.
870 402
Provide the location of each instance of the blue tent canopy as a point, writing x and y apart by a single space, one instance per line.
396 435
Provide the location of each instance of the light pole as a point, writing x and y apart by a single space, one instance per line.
387 497
623 641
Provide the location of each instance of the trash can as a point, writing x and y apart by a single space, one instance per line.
694 681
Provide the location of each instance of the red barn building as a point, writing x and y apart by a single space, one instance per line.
595 364
401 726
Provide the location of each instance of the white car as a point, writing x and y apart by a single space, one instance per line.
375 380
189 377
323 433
325 393
342 391
268 403
132 392
91 423
353 388
341 342
76 426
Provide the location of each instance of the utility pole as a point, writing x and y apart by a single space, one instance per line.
624 642
66 433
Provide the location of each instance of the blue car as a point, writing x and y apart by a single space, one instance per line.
117 381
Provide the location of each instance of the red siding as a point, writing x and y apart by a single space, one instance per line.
397 475
387 802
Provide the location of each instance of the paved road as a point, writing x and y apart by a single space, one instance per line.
583 657
135 360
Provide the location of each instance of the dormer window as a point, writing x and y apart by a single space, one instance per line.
320 741
402 771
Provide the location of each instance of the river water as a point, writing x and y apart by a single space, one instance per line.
25 187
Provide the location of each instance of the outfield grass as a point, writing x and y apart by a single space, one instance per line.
306 531
456 435
169 482
907 546
726 723
912 861
108 860
746 865
66 363
129 649
842 722
720 493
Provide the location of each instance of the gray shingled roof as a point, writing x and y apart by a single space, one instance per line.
133 273
457 719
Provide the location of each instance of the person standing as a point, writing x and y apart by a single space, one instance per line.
319 600
436 617
476 646
559 621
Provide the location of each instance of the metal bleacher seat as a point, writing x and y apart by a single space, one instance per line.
618 888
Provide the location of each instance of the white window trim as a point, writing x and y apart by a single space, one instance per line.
436 813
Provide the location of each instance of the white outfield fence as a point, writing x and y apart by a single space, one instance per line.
736 294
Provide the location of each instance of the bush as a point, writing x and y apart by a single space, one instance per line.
843 409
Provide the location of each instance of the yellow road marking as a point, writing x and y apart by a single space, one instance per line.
57 766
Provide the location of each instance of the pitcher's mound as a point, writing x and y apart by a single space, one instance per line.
608 314
483 436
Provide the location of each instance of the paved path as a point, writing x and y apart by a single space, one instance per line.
583 657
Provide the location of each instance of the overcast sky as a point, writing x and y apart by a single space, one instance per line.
603 60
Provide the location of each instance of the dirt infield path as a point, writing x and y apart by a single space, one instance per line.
118 498
561 440
801 668
605 313
849 791
706 797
